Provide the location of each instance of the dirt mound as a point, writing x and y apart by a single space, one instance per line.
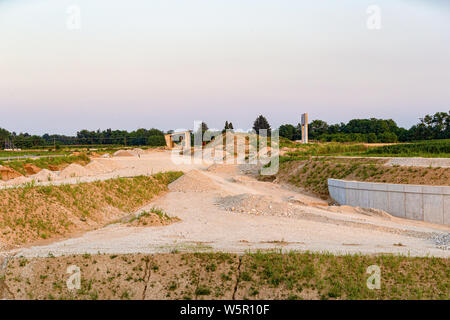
31 168
74 170
109 165
193 181
96 167
18 181
151 219
256 204
60 210
222 168
7 173
358 210
137 151
123 153
94 155
44 175
53 167
265 206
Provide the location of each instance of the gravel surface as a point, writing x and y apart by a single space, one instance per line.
420 162
441 240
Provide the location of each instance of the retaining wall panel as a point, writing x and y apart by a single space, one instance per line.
433 208
364 197
396 204
379 200
414 206
424 203
352 197
447 210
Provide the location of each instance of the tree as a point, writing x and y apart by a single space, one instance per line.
228 126
260 124
287 131
156 140
4 134
316 129
387 137
204 127
371 138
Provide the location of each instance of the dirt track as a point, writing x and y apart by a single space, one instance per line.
223 209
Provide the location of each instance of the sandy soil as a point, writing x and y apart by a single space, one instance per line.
107 168
224 209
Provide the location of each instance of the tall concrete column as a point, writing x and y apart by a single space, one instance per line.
304 124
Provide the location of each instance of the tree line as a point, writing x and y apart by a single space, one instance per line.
140 137
371 130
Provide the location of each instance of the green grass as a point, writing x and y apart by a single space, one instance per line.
426 149
31 153
344 277
45 162
270 275
434 148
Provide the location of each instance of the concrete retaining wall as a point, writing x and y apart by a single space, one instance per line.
425 203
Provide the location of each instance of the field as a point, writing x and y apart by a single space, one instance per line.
426 149
272 275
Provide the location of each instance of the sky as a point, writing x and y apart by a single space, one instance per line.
166 63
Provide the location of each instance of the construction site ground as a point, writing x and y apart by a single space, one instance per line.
223 207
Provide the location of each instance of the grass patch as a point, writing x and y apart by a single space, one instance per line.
153 217
46 162
262 276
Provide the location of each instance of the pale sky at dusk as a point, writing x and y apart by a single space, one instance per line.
166 63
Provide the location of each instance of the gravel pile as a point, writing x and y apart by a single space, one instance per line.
441 240
193 181
257 205
74 170
96 167
44 175
123 153
222 168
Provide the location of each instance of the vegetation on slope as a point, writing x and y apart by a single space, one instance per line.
46 162
227 276
312 173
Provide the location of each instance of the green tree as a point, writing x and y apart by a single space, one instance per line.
371 138
156 140
317 128
287 131
387 137
228 126
260 124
